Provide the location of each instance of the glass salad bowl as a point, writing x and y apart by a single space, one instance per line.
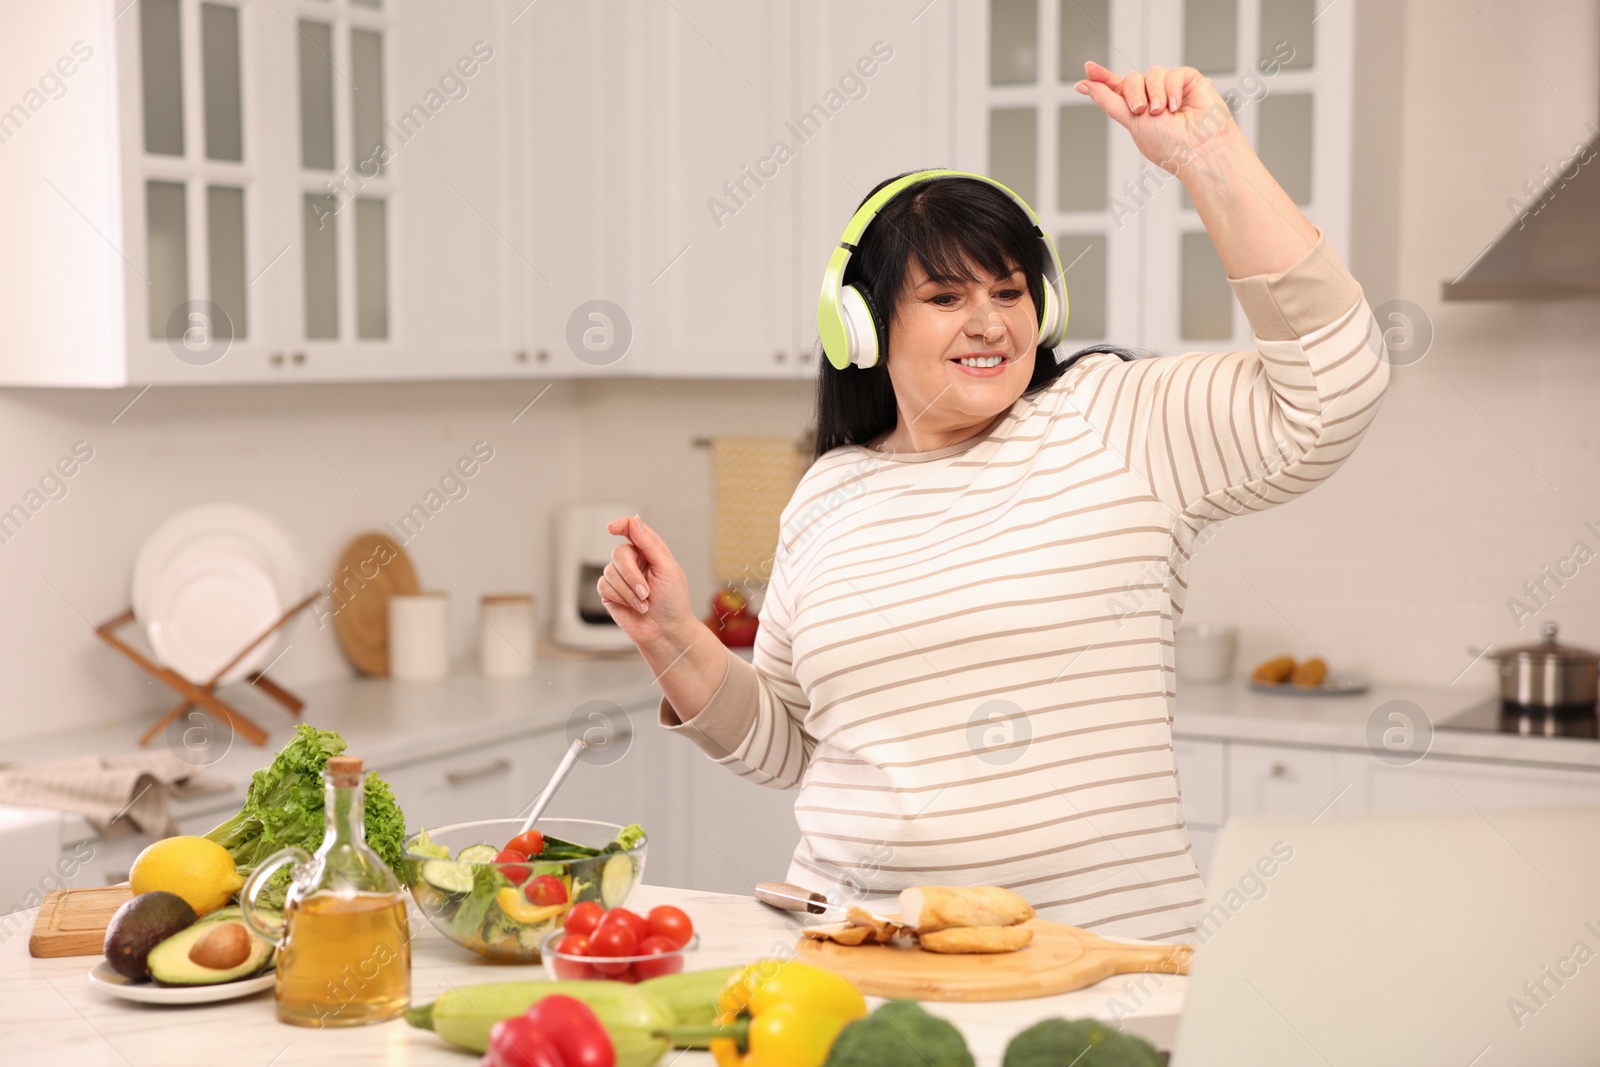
504 909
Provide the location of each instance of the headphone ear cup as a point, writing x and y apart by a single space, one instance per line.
862 326
1053 322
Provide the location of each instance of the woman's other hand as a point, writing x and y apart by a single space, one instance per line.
644 588
1172 113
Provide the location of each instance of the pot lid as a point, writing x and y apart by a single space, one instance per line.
1549 649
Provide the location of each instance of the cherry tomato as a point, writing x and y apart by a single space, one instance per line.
573 945
545 890
529 844
609 941
667 959
631 919
672 924
512 858
583 918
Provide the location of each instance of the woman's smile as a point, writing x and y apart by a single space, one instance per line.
990 364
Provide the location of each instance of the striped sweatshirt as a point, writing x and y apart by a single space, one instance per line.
965 658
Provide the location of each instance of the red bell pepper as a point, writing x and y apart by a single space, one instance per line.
575 1031
520 1042
557 1031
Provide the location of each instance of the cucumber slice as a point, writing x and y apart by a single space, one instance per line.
476 854
616 881
454 878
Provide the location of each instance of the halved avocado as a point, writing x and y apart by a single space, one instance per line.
174 962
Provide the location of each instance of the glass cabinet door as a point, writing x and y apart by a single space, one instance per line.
345 171
1139 266
198 173
1055 149
1283 69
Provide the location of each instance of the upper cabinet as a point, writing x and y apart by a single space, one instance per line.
213 191
1140 268
238 191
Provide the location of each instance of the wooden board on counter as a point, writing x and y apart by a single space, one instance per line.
1060 959
72 922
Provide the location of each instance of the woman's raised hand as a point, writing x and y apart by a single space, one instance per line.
643 587
1172 113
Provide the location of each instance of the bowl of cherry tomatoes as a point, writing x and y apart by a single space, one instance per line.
618 944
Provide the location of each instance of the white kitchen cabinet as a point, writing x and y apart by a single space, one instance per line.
591 143
1281 780
1202 780
874 100
743 833
1441 783
1139 267
211 203
463 787
722 242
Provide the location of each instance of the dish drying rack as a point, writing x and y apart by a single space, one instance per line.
203 694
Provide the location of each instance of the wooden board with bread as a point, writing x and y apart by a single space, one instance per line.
974 943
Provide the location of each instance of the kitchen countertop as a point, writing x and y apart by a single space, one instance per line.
50 1013
392 723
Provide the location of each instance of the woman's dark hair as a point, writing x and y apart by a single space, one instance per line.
949 224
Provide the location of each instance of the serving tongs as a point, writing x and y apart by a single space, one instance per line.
564 768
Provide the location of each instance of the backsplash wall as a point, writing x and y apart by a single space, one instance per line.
1479 473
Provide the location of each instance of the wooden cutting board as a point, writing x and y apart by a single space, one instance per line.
72 922
1060 959
371 569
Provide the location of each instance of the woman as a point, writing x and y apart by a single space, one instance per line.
965 654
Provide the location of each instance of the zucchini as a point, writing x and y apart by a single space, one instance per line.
616 881
448 875
462 1016
690 997
475 854
557 845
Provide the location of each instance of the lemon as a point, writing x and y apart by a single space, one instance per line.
195 868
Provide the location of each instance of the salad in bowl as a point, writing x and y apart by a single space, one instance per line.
497 891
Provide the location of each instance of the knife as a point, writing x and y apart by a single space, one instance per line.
788 897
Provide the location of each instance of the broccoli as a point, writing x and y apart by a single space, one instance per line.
1056 1041
899 1034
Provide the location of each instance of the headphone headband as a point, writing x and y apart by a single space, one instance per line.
851 329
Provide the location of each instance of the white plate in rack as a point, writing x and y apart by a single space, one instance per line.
233 525
103 977
207 581
208 604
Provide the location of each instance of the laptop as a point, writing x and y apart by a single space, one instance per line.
1467 939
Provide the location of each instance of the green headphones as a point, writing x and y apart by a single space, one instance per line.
853 331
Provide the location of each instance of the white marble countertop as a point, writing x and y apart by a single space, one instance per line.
51 1015
1232 711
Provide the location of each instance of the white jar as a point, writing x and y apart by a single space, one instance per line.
419 637
505 635
1205 652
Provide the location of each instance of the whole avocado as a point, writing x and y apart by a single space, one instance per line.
899 1034
142 923
1054 1042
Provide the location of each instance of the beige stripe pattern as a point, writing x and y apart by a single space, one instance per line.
965 657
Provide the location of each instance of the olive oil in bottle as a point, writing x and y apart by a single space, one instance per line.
344 956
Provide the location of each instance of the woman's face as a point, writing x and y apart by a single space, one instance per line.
936 324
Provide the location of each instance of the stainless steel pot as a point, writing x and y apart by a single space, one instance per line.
1549 674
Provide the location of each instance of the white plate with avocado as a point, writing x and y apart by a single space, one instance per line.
147 992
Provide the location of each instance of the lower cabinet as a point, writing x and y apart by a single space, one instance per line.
1281 780
1442 783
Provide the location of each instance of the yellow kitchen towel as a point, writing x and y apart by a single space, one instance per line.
752 478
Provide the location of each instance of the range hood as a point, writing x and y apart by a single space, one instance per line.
1551 250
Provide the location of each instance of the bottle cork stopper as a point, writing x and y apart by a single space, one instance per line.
344 765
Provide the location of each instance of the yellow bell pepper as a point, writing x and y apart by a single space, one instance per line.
783 1013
